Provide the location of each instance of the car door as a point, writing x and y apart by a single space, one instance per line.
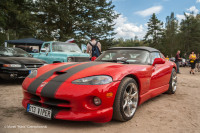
44 55
160 75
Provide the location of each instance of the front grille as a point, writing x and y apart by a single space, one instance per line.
23 73
33 65
50 102
35 98
18 73
81 59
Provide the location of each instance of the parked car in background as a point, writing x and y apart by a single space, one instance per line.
17 63
183 63
188 62
110 87
53 52
172 59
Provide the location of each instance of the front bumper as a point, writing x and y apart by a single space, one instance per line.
15 73
77 105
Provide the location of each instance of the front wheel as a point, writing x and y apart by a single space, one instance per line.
172 82
126 100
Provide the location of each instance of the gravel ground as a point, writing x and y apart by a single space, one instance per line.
178 113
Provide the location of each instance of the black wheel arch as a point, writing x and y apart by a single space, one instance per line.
137 81
135 78
124 80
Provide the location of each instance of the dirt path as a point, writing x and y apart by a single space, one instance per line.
178 113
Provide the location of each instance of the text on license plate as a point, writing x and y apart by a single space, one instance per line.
40 111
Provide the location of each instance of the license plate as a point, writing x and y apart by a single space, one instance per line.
39 111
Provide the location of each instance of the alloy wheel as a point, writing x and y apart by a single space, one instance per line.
130 100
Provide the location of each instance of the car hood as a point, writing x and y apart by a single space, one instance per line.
52 76
71 71
20 60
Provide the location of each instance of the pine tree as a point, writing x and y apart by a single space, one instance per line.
79 19
154 33
190 33
170 36
15 18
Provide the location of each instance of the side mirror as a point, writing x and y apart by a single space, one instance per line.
43 50
158 61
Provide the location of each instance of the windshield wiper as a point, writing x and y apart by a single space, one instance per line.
124 61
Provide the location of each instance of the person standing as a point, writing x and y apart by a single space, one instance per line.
177 59
94 48
167 58
198 63
192 58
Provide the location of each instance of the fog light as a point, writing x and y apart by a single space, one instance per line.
13 75
97 101
69 59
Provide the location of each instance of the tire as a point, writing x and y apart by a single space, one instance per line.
126 100
172 82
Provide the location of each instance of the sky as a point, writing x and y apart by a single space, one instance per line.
134 14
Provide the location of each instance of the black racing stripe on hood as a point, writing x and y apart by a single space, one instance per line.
35 84
49 90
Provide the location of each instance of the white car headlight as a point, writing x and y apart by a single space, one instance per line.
70 59
33 74
93 80
12 65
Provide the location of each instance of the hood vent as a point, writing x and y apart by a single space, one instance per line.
59 72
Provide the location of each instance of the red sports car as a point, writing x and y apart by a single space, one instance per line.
110 87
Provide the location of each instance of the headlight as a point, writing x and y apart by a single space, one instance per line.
93 80
33 74
70 59
12 65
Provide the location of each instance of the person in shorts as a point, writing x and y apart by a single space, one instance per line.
192 58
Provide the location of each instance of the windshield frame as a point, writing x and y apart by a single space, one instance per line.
125 60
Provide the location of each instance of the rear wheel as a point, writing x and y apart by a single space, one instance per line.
126 100
172 82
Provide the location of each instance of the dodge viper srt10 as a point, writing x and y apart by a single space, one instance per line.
111 87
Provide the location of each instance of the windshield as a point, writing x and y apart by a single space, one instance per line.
128 56
65 47
13 52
